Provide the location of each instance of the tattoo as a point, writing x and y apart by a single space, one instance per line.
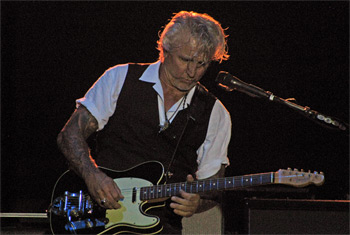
72 141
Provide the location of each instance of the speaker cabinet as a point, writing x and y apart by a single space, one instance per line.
284 216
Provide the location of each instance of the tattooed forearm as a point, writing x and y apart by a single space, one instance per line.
72 141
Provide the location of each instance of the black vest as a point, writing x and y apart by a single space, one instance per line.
132 134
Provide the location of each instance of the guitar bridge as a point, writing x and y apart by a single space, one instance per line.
72 205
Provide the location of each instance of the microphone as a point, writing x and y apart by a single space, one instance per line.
230 83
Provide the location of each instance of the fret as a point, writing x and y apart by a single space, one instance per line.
214 184
229 182
200 186
148 193
271 178
175 190
255 180
168 190
220 184
184 186
152 193
207 186
246 181
238 181
144 193
159 191
163 190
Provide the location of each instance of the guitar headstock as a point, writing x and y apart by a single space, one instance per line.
298 178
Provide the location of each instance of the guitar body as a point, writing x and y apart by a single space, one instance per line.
130 218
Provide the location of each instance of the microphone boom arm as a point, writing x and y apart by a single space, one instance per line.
230 83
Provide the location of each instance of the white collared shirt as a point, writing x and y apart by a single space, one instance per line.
101 100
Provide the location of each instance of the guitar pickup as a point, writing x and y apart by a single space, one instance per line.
134 191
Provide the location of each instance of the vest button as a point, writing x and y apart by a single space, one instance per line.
174 136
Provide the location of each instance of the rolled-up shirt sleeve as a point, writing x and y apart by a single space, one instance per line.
101 98
213 152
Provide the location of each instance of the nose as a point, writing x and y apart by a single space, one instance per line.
191 69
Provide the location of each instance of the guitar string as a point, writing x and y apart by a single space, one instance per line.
216 181
184 185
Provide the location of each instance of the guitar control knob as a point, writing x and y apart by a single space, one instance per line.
105 220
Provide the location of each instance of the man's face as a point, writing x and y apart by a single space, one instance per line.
185 66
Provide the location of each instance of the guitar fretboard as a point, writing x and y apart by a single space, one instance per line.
168 190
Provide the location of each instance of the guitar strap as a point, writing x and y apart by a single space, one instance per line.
193 110
168 174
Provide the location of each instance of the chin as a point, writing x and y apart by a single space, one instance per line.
185 88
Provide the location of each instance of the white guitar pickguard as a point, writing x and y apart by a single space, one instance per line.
130 213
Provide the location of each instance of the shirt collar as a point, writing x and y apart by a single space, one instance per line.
151 74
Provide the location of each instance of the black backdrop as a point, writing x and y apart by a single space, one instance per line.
52 52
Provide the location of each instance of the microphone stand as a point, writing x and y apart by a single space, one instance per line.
321 119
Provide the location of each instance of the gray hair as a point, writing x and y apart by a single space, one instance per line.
205 29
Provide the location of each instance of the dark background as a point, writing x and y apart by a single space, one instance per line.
52 52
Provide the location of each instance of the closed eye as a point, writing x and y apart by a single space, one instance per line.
199 63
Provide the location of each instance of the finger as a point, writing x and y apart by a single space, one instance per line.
186 199
189 196
183 210
189 178
111 203
108 202
116 193
183 213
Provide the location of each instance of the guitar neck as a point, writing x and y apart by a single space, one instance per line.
201 186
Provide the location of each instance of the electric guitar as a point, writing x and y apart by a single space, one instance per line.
72 210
